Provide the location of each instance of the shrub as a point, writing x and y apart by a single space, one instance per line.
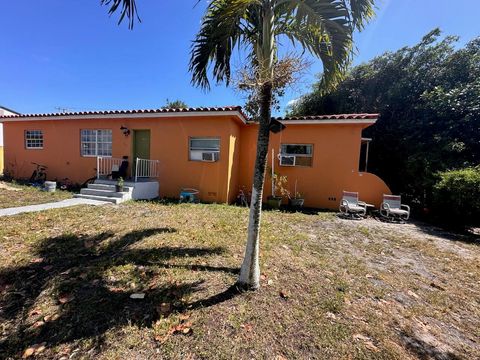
456 197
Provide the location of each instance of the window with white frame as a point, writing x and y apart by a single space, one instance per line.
296 154
204 149
34 139
96 142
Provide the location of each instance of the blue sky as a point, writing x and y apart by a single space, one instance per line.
70 54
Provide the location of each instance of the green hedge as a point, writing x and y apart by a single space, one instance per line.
456 198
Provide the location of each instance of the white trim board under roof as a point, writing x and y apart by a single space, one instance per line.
191 112
129 114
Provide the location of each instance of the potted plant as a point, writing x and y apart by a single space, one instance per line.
297 200
278 187
119 187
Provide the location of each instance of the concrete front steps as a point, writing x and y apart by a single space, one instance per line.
105 192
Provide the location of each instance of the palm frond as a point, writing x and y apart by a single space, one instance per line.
323 28
361 11
224 26
127 8
333 50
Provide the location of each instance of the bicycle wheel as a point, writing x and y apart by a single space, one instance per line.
33 177
42 177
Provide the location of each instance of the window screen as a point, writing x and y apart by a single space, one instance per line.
297 154
96 142
34 139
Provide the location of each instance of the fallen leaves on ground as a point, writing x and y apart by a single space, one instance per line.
366 341
183 328
247 327
33 350
64 299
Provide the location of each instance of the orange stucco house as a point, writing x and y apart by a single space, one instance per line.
209 149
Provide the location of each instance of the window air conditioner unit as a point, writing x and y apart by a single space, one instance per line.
287 160
210 156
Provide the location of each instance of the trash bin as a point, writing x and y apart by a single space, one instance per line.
50 186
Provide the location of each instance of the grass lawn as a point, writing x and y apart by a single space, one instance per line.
331 288
14 195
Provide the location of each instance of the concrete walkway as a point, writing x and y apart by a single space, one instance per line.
52 205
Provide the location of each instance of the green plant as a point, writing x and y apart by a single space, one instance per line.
120 182
297 194
456 198
428 98
279 185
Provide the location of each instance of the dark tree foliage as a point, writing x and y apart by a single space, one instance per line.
456 198
175 104
428 97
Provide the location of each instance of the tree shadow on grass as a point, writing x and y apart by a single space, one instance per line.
71 269
451 235
423 350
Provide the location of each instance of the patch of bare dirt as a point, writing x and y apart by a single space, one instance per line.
5 186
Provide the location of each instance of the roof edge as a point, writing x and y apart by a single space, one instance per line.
9 110
354 116
147 113
363 118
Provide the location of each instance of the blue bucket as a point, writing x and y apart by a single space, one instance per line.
189 195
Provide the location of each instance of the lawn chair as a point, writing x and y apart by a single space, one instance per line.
392 208
351 206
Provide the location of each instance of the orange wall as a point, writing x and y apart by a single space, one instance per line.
169 144
336 155
1 160
336 152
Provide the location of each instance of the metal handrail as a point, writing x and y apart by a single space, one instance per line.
146 168
105 165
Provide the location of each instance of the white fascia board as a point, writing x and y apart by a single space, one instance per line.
126 116
326 122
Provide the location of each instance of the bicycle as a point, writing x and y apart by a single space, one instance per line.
39 176
90 180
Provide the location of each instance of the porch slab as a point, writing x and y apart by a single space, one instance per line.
143 189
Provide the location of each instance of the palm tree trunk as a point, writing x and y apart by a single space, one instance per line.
250 271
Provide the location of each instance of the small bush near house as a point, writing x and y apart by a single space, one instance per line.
456 199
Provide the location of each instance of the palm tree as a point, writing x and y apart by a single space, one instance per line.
324 28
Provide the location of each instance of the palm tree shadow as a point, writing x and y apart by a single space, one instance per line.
216 299
89 305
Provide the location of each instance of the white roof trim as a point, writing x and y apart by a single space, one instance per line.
326 122
330 121
127 116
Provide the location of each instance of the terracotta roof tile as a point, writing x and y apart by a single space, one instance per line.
125 112
331 117
195 109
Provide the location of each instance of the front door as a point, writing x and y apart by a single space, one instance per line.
141 146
